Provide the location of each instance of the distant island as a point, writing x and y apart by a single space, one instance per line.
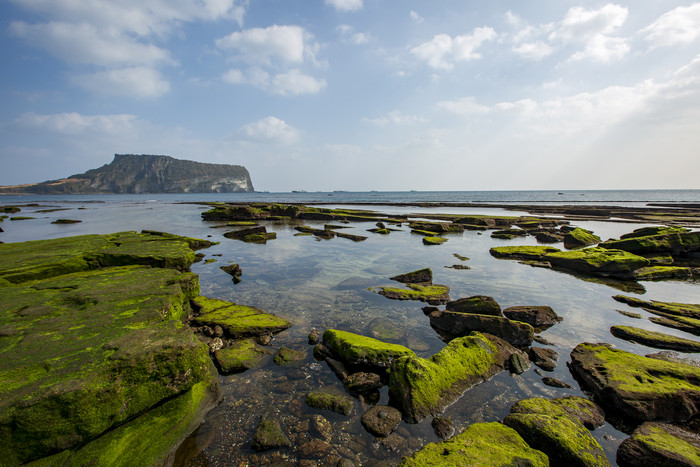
132 173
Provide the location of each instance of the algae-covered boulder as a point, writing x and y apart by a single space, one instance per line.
555 428
236 320
597 261
421 387
477 304
655 339
355 349
240 356
451 324
634 387
434 294
492 444
527 252
660 444
673 241
579 237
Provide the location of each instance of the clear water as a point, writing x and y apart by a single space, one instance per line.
305 281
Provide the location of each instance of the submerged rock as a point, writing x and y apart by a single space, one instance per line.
269 434
443 427
660 444
492 444
381 420
544 358
240 356
326 401
287 356
556 427
362 383
421 387
637 388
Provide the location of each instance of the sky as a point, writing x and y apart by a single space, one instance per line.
358 94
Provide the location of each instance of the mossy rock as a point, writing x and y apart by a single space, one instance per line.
434 294
240 356
421 387
269 434
655 273
236 320
577 408
91 350
579 237
287 356
509 234
635 388
673 242
655 339
326 401
419 276
477 304
434 240
689 310
660 444
66 221
653 231
689 325
527 252
355 349
454 324
492 444
598 261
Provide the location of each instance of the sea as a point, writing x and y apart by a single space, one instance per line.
330 284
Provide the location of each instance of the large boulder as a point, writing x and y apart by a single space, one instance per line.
637 388
492 444
421 387
452 324
660 444
354 349
555 427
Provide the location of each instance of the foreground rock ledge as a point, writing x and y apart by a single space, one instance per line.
101 366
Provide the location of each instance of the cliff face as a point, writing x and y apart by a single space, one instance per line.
129 173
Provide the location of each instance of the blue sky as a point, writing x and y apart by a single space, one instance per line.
358 94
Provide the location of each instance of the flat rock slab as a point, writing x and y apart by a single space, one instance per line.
435 294
687 310
421 387
477 304
598 262
424 275
637 388
355 349
660 444
492 444
655 339
236 320
532 253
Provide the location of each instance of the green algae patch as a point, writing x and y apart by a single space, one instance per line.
236 320
655 339
117 349
492 444
636 388
421 387
434 294
240 356
526 252
598 261
361 350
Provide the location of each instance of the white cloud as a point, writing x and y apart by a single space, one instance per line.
271 129
416 17
603 49
72 123
295 82
679 26
397 118
581 25
140 82
535 50
464 106
345 5
442 51
288 44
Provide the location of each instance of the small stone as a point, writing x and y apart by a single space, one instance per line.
518 363
314 337
269 434
443 427
544 358
265 339
381 420
429 309
216 344
218 331
362 383
555 383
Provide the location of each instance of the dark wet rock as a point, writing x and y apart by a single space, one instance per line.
636 388
240 356
549 237
579 237
66 221
355 349
518 363
232 269
338 368
477 304
492 444
527 252
598 261
321 427
630 314
660 444
264 339
321 351
381 420
326 401
451 324
544 358
539 317
459 267
542 340
315 449
434 294
655 339
385 329
354 238
556 383
269 434
362 383
443 427
429 309
314 337
287 356
558 427
421 387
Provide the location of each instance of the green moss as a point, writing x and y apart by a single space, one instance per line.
236 320
655 339
460 257
491 444
423 387
361 350
434 240
580 237
240 356
522 252
325 401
